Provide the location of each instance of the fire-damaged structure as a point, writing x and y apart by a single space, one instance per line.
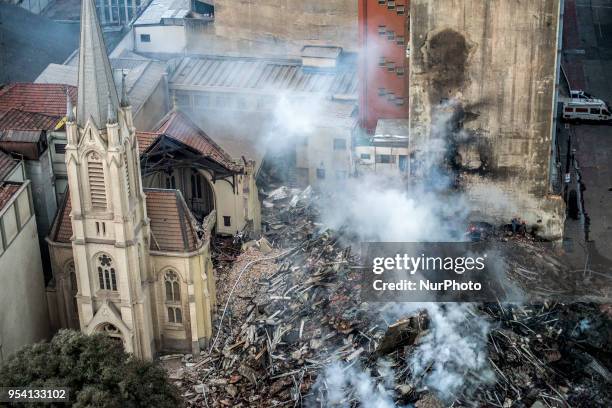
494 65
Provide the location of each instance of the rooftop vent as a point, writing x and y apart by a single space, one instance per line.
320 57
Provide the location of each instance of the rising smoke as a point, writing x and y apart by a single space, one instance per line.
451 359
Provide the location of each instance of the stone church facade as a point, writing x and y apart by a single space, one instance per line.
130 261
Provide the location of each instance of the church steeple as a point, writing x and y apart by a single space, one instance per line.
97 94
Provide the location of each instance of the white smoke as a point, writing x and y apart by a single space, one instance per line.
340 385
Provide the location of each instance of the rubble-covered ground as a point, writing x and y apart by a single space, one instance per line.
291 331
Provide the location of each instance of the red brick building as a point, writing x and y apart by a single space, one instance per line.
383 72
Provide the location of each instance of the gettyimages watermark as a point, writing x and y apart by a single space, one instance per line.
434 272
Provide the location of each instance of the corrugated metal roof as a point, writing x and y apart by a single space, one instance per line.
160 9
265 75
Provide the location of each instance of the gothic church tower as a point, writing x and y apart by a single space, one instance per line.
110 226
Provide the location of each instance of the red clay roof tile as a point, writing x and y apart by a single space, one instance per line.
48 99
7 190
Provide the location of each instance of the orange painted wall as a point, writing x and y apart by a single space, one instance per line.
383 34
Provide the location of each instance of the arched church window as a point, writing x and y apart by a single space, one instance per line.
107 275
173 297
97 185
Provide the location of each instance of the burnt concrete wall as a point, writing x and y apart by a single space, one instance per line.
496 61
288 24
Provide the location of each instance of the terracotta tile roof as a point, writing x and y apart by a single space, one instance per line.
7 190
173 228
178 126
61 230
172 225
16 119
145 140
48 99
7 163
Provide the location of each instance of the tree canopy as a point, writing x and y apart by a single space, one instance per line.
98 372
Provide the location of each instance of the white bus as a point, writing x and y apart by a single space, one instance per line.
582 106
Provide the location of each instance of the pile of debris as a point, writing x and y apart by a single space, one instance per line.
298 311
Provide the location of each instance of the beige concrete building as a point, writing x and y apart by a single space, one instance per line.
127 261
483 73
24 317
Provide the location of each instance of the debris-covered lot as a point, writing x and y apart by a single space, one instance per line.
292 331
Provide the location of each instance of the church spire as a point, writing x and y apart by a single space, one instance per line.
97 94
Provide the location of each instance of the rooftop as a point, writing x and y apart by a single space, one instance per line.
178 126
173 228
7 164
142 76
261 75
47 99
18 119
158 10
7 191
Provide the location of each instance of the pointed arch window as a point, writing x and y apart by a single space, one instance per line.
107 276
97 184
172 288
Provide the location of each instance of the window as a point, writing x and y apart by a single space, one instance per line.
127 175
382 1
385 158
382 29
106 273
382 91
400 40
60 148
390 35
365 156
227 221
391 4
399 101
568 109
595 111
175 315
582 110
400 71
97 184
145 37
321 174
400 9
390 66
381 61
171 283
339 144
173 297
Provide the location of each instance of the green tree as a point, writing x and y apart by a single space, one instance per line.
98 372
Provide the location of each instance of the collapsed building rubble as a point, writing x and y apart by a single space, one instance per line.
298 312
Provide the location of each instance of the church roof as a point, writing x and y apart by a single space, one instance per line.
179 127
45 99
95 83
173 228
